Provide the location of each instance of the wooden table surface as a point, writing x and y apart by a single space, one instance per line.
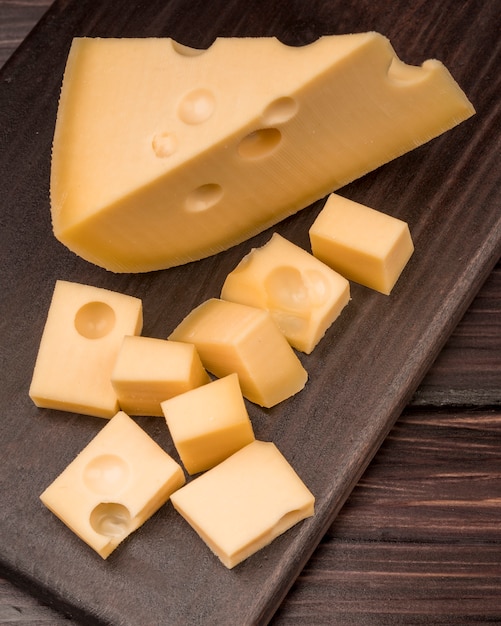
419 540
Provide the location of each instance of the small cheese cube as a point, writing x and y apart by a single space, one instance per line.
208 424
232 337
245 502
149 370
303 295
114 485
82 336
365 245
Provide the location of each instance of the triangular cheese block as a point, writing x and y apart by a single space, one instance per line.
164 154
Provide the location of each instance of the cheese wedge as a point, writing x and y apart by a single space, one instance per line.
163 154
114 485
245 502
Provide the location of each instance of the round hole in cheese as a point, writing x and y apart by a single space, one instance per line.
95 320
111 519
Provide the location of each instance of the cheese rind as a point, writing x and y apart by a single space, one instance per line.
303 295
162 155
149 370
236 338
365 245
208 424
83 332
245 502
114 485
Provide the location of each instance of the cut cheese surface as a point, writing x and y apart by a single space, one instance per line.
149 370
114 485
83 333
208 424
245 502
303 295
235 338
163 154
365 245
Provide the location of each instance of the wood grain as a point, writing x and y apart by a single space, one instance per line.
16 21
419 539
467 372
356 554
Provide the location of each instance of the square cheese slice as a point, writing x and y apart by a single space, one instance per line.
232 337
303 295
245 502
114 485
83 333
365 245
148 370
208 424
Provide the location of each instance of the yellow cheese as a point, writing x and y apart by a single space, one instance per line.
365 245
303 295
163 154
82 336
245 502
149 370
114 485
208 424
232 337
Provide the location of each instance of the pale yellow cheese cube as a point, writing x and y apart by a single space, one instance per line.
208 424
245 502
148 370
232 337
164 154
114 485
365 245
303 295
82 336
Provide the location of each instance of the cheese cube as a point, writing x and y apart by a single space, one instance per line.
149 370
82 336
365 245
245 502
156 144
303 295
208 424
232 337
114 485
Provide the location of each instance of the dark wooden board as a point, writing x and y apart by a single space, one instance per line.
467 372
361 375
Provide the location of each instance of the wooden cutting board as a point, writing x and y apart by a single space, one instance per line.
362 373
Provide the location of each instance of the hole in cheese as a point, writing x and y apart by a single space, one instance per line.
260 143
164 144
197 106
106 474
110 519
95 320
318 287
280 111
286 288
291 298
291 324
399 71
204 197
185 51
